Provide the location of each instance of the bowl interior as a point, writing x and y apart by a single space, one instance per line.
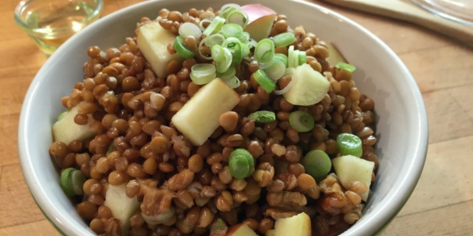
401 119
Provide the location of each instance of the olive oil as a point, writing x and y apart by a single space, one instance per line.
51 25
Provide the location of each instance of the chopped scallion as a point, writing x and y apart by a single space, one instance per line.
203 73
181 48
292 57
201 23
281 57
231 30
276 70
237 17
227 75
284 39
210 41
264 81
301 121
345 66
71 181
223 65
349 144
233 82
264 51
214 26
235 47
263 116
190 29
302 58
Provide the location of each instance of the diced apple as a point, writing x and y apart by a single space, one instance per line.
270 232
350 168
199 117
66 130
260 20
121 205
296 225
334 55
309 87
153 41
241 230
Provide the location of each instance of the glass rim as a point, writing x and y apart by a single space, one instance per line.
17 15
446 13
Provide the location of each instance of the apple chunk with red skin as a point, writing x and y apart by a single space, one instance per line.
260 20
241 230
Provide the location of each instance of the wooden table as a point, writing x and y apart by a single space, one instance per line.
442 203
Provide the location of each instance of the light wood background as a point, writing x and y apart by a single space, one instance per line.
442 203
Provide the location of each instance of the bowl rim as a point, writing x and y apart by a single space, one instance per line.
383 214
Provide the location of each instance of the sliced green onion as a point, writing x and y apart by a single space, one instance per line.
224 64
252 42
203 73
217 52
245 50
264 51
202 79
302 58
190 29
317 164
181 48
233 82
277 67
214 26
301 121
235 47
241 163
110 149
237 17
62 115
289 71
227 75
349 144
292 57
228 8
266 65
231 30
210 41
284 39
263 116
245 38
220 224
276 70
71 181
345 66
281 57
201 23
264 81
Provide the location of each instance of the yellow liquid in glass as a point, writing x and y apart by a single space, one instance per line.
51 26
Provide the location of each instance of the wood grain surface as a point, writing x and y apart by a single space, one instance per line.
442 203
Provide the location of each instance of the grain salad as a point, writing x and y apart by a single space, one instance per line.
217 122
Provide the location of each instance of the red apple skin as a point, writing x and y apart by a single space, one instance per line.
256 11
240 230
260 20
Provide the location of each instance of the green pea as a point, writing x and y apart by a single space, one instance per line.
241 163
317 164
349 144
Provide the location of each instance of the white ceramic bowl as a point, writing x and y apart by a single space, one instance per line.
401 117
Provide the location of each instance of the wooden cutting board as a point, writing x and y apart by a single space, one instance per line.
405 11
